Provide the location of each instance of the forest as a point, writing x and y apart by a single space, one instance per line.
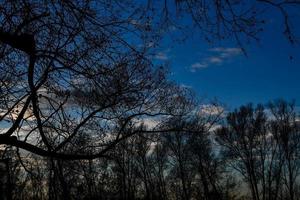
87 111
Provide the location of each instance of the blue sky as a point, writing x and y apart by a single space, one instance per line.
221 71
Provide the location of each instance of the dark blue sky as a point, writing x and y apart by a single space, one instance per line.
221 71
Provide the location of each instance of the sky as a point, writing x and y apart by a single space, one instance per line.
221 71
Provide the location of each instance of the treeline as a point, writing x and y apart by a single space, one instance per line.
250 153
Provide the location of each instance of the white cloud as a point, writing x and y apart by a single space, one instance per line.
134 22
162 55
210 109
197 66
226 52
215 60
150 44
148 122
185 86
218 56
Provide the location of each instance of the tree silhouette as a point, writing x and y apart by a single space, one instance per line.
69 71
86 112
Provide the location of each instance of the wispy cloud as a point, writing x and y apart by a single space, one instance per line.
215 60
162 55
185 86
210 109
226 52
217 56
197 66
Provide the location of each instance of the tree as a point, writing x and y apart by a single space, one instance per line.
240 20
263 146
68 70
241 140
81 66
285 130
182 172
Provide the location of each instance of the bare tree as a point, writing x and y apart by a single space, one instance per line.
285 130
78 82
83 71
240 141
240 20
264 148
81 77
